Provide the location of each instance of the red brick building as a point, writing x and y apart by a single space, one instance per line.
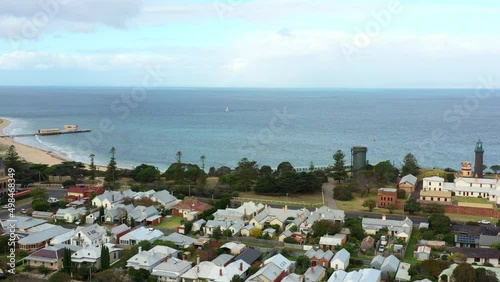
188 206
386 196
82 191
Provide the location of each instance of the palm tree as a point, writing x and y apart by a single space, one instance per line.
203 162
179 156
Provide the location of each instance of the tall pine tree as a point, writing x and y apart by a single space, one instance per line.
67 260
105 262
111 171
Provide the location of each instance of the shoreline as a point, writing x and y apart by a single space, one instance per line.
33 154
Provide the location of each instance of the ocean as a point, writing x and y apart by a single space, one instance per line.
439 126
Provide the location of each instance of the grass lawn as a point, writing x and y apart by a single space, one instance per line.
411 247
170 223
307 198
465 218
212 181
356 204
472 200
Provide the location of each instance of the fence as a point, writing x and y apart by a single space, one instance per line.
298 247
276 202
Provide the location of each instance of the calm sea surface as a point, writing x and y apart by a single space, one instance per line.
440 127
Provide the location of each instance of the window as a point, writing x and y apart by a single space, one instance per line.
439 183
445 199
470 184
477 259
429 184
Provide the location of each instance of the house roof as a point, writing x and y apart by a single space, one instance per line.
59 239
43 236
210 271
314 273
389 190
477 252
434 179
323 213
92 253
84 189
281 261
47 254
367 242
145 259
171 268
293 278
281 215
378 259
410 178
320 254
222 259
397 226
424 249
119 229
402 273
233 245
487 240
270 271
40 228
466 239
391 262
141 213
22 222
249 256
250 208
179 239
342 255
92 232
142 234
192 204
332 240
200 222
42 214
227 213
164 197
486 229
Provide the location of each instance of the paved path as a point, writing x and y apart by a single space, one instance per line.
328 193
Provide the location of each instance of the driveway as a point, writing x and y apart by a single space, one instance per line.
328 194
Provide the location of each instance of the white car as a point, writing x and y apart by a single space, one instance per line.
78 222
52 200
24 211
483 221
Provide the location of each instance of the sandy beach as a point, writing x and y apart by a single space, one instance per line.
29 153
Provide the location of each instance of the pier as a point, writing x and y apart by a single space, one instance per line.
46 134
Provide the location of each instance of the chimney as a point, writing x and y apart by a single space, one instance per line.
312 269
241 266
140 249
245 210
383 217
166 259
197 260
262 265
198 268
265 207
286 208
220 271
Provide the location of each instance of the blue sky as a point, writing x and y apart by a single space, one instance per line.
250 43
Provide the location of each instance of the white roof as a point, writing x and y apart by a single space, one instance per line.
434 179
63 237
91 253
332 240
171 268
22 222
210 271
42 236
40 228
142 234
424 249
279 260
233 245
394 190
409 178
292 278
342 255
402 274
313 276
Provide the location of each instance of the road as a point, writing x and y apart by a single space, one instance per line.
53 192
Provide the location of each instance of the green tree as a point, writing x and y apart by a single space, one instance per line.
339 172
484 275
43 270
302 263
433 208
370 204
440 223
217 233
246 173
60 277
495 168
323 227
412 206
67 260
39 193
265 170
203 158
92 167
342 193
237 278
105 259
139 275
385 172
410 165
464 272
391 207
12 159
111 173
284 167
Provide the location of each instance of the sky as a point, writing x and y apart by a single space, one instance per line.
250 43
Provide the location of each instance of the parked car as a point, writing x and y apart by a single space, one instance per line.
78 222
383 241
483 221
24 211
381 249
52 200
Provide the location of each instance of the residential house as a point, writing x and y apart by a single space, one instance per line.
481 229
322 213
331 241
208 271
250 209
149 259
314 274
144 194
64 238
293 278
140 214
377 262
228 214
486 241
43 215
83 191
281 217
402 274
164 198
319 257
180 240
401 229
118 213
269 231
285 234
389 267
436 190
341 260
269 272
235 248
70 214
4 180
408 183
247 230
38 240
466 240
189 206
91 255
386 196
362 275
40 228
89 235
249 256
197 225
223 259
479 255
423 253
50 257
171 269
21 223
107 199
116 232
141 234
236 227
91 218
367 244
281 261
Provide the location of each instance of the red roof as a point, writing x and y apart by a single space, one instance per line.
193 205
85 189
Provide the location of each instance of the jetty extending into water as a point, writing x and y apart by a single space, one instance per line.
68 129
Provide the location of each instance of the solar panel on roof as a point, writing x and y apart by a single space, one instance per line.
467 239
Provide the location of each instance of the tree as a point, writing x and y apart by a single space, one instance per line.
495 168
265 170
339 172
105 259
139 275
217 233
464 272
237 278
284 167
12 159
246 172
323 227
203 158
433 208
440 223
92 167
410 165
256 232
385 172
179 156
302 263
412 206
39 193
370 204
60 277
111 171
342 193
484 275
391 207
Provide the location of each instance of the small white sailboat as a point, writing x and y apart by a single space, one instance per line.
227 109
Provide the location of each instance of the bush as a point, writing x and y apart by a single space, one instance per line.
342 193
401 194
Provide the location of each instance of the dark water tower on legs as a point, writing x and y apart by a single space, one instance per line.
358 155
478 164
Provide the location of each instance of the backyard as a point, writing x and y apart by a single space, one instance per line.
170 222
